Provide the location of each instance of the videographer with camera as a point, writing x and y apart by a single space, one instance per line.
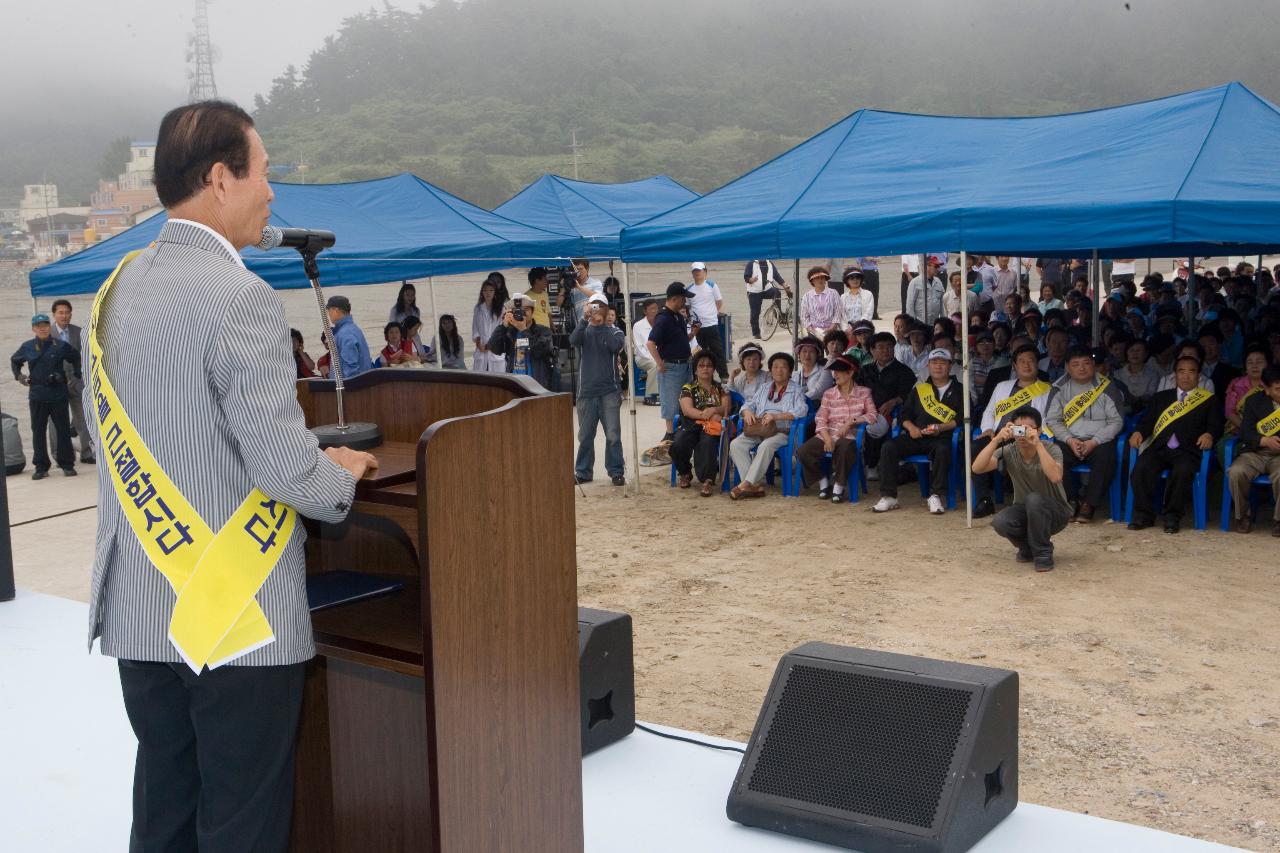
524 342
46 381
1040 508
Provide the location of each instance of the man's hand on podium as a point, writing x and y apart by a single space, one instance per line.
356 461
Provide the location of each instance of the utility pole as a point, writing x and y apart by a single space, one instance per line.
200 85
574 146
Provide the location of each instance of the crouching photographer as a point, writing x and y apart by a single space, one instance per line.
526 344
1040 508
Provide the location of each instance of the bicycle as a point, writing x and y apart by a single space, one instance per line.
777 314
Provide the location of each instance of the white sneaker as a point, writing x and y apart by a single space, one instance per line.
935 505
885 504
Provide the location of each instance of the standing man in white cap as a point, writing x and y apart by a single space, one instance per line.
929 414
704 312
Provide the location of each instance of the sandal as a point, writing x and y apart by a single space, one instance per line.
739 492
683 480
707 489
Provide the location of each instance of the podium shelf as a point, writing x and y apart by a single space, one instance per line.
397 461
384 632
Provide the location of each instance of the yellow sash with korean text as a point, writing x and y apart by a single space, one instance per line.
1178 409
1245 398
1270 425
938 410
1077 405
215 577
1021 398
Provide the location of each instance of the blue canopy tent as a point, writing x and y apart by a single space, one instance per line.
388 229
596 212
1191 174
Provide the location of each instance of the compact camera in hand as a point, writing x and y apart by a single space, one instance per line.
1019 431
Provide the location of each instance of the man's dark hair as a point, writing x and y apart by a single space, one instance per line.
581 262
1210 330
191 140
1054 330
1027 412
1079 352
882 338
1194 346
537 273
58 302
1191 358
1031 349
1271 375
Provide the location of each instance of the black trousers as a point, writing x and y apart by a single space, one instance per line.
1102 470
938 449
1182 465
983 484
43 413
695 452
214 771
871 282
709 339
844 454
755 300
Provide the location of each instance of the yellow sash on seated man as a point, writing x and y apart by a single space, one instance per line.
1193 399
216 617
1022 398
936 408
1270 425
1076 407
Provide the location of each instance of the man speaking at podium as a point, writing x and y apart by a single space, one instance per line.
205 462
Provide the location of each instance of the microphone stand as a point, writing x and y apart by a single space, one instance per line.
359 435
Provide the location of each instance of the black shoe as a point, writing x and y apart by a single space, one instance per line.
985 507
1044 565
69 472
824 493
1138 525
39 475
1023 555
618 480
88 460
1172 525
652 401
837 498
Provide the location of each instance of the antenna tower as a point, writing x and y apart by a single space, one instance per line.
200 85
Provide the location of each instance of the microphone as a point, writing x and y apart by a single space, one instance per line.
302 239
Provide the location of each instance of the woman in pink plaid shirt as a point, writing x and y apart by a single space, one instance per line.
844 407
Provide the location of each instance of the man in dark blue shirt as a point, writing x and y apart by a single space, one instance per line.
46 381
669 348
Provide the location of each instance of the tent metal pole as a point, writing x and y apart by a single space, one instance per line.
435 315
795 307
964 381
1258 293
924 288
631 365
1096 269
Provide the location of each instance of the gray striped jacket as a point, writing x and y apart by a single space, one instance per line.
198 350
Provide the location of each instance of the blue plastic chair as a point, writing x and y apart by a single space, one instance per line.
638 380
1199 489
1261 480
1114 492
921 461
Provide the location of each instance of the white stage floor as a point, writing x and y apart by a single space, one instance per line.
66 766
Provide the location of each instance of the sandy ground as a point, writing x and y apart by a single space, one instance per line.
1149 663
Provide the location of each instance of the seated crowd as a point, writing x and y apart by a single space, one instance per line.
1185 367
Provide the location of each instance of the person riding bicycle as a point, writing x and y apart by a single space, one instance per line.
761 276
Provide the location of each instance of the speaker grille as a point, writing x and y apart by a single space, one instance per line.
871 745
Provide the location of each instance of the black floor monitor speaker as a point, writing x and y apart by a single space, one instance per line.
881 752
607 679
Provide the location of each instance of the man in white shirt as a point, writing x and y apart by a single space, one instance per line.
924 301
704 313
761 276
644 360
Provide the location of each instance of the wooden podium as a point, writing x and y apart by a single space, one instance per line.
444 717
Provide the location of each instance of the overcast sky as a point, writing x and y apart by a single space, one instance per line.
55 47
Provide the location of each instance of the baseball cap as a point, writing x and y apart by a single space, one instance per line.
37 319
675 288
342 303
939 353
698 265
